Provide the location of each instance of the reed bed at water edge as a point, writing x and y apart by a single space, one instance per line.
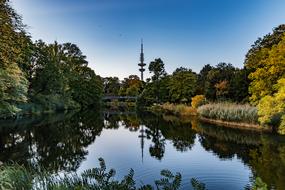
231 112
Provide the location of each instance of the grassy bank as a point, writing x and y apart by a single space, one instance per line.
225 114
232 115
229 112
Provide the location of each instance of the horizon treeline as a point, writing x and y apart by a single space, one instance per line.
261 82
222 82
36 76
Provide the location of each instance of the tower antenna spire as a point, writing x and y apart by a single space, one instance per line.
142 64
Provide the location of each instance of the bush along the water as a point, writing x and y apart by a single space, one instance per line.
271 109
230 112
198 101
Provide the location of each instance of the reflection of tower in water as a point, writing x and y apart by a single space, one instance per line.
142 136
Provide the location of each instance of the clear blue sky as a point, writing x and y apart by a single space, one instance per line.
188 33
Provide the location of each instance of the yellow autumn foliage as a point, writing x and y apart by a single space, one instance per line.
271 69
198 100
271 109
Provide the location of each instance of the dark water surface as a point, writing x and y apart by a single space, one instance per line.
221 158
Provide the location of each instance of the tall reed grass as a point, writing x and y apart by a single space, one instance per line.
230 112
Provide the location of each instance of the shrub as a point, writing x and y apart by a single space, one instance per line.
229 112
8 110
19 177
15 177
271 109
198 100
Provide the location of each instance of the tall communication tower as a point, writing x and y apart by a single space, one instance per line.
142 64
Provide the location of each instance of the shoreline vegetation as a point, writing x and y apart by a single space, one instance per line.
231 124
38 77
242 116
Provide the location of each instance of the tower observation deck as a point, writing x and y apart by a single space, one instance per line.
141 64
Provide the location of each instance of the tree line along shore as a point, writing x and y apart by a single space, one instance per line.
38 77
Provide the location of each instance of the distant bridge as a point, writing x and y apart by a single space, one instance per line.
119 98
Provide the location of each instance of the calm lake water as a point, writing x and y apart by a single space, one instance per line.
222 158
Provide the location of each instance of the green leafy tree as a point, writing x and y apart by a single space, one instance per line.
84 86
131 86
238 86
157 68
61 78
87 88
111 85
182 85
222 72
202 78
163 91
255 54
49 79
148 96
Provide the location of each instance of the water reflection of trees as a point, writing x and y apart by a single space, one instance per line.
58 142
159 130
263 153
157 148
116 119
54 142
268 162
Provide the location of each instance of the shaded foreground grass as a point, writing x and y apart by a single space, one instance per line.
16 177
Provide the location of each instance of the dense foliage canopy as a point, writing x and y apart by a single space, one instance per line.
13 38
266 63
39 76
265 60
222 82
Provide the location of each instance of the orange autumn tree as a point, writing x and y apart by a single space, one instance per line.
222 89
